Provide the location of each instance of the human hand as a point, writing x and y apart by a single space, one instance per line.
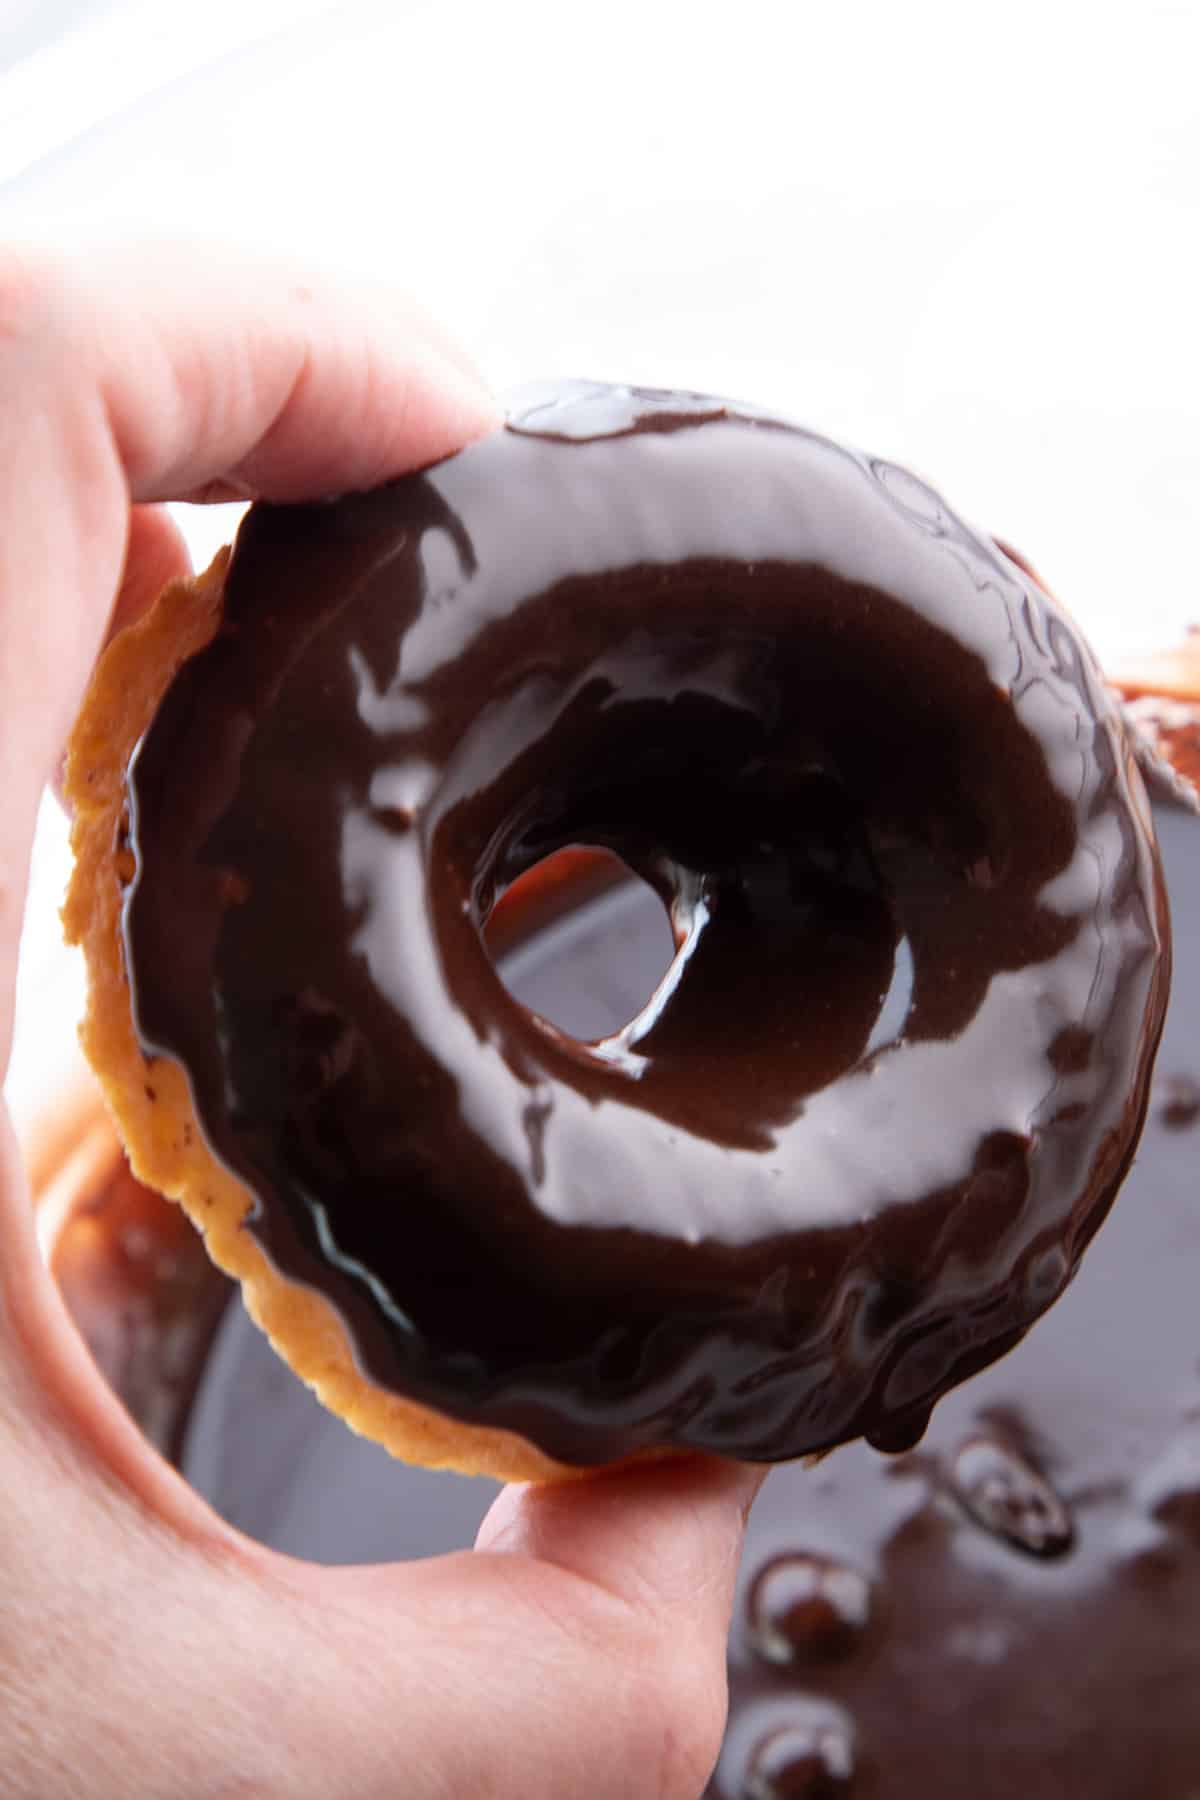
146 1648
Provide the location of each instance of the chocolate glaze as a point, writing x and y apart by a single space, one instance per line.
859 1137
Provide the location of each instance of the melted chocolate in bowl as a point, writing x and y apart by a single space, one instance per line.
1012 1609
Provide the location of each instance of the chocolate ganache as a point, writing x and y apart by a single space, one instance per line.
857 1139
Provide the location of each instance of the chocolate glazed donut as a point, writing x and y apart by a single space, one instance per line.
858 1138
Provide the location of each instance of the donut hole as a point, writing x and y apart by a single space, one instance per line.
582 940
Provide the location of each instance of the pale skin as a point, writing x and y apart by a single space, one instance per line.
146 1648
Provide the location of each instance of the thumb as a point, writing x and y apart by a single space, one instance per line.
579 1651
655 1536
155 554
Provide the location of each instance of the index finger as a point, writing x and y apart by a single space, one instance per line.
159 373
201 367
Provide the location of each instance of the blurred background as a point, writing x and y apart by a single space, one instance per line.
966 238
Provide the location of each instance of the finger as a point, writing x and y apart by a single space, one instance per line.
581 1650
155 553
178 1674
661 1541
656 1534
267 379
158 373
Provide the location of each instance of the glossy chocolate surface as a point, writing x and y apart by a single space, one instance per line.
858 1138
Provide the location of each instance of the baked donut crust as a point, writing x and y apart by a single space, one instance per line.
150 1098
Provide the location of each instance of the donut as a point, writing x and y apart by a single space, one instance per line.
859 1136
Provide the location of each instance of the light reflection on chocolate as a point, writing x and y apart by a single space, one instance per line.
804 1608
1180 1103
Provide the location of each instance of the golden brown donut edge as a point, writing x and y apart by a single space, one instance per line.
150 1098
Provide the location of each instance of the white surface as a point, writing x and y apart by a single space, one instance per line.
963 237
69 65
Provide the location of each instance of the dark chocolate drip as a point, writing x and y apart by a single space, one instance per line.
859 1137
